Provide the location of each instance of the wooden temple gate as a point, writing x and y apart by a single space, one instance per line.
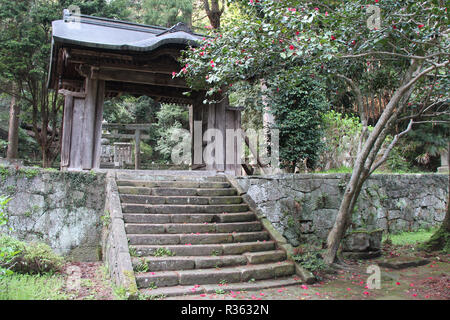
95 58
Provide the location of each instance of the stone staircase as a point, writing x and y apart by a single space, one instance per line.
194 234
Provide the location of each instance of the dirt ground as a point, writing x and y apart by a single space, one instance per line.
426 282
94 283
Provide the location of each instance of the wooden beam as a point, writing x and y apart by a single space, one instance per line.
138 77
124 136
163 92
131 126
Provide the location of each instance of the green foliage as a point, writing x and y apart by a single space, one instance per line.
32 287
106 219
297 104
410 238
311 261
142 266
129 109
167 13
439 241
171 118
3 210
29 257
163 252
341 137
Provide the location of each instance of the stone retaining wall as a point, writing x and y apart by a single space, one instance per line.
62 209
303 207
116 253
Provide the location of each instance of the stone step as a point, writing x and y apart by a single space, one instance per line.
173 263
178 191
265 256
189 262
214 275
172 184
240 287
178 208
145 199
188 218
206 249
189 228
186 176
202 238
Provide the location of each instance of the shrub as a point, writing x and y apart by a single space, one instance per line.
311 261
28 257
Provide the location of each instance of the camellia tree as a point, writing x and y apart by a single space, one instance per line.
353 42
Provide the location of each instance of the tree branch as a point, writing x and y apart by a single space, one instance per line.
389 148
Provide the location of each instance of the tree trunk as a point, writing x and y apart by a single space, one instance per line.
13 132
213 12
365 159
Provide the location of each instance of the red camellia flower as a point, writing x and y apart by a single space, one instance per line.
291 47
421 26
297 33
333 38
202 53
174 74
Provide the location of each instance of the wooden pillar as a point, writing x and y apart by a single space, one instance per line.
98 124
216 121
137 149
82 127
196 120
75 161
234 142
66 131
92 121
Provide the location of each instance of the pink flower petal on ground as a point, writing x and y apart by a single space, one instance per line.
203 295
280 290
414 295
261 294
253 297
411 284
397 283
304 287
317 293
348 289
366 293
